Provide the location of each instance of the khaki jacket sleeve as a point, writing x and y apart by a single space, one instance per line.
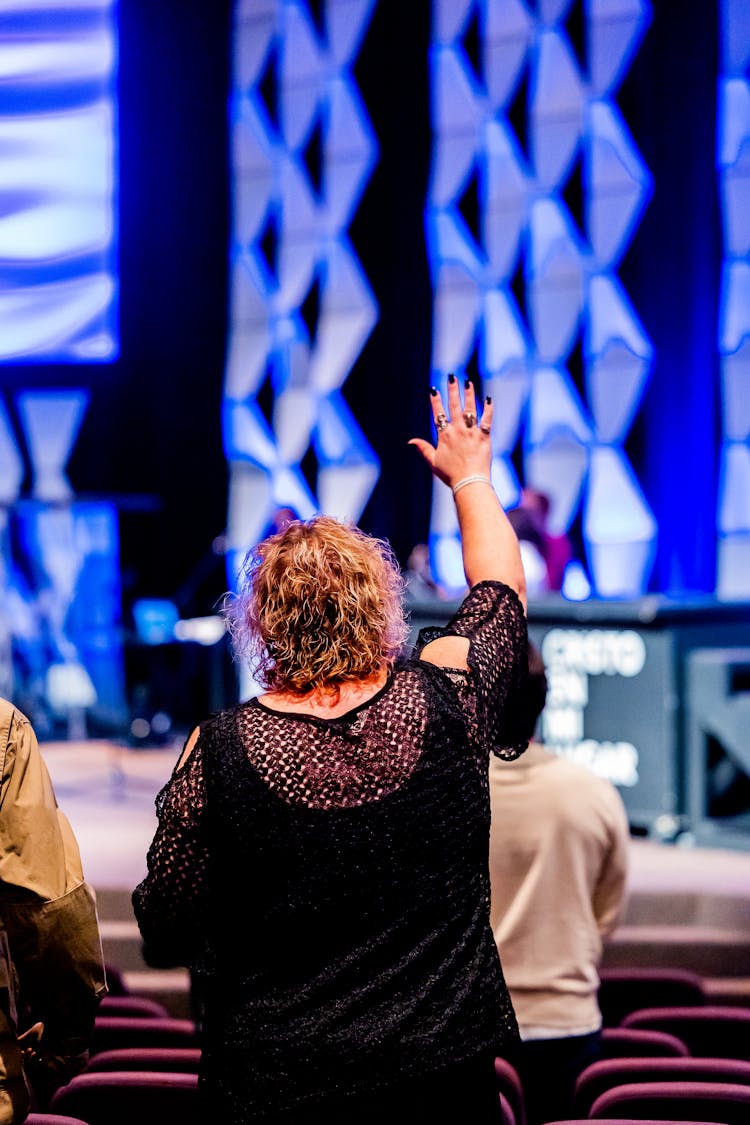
47 910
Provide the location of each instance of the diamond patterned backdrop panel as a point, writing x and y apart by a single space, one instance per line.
526 280
733 159
302 309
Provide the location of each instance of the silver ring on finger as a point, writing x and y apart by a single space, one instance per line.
484 427
441 422
470 418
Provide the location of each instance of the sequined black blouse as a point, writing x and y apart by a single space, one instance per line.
326 879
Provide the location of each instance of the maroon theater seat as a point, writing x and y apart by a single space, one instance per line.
623 990
131 1005
185 1059
145 1097
711 1030
509 1084
607 1073
112 1032
628 1042
725 1102
52 1119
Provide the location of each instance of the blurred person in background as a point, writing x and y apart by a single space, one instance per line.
559 848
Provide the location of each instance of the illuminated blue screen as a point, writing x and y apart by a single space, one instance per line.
58 187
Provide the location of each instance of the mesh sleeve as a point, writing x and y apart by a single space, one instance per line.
170 903
492 619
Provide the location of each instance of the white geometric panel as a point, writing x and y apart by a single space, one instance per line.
557 103
504 331
734 120
294 413
556 280
11 462
51 420
734 324
508 31
348 313
619 354
451 240
615 30
454 161
456 101
302 67
558 468
736 38
350 150
457 306
346 24
619 526
258 19
343 490
733 567
247 435
616 510
554 408
734 489
506 207
619 182
735 383
621 569
449 17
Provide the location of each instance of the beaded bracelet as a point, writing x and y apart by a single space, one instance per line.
471 480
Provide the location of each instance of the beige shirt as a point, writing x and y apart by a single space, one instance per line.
51 959
558 869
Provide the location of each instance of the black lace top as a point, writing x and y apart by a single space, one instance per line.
326 879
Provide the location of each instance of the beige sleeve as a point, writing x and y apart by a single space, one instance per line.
611 889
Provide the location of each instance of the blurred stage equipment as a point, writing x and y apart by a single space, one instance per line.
655 695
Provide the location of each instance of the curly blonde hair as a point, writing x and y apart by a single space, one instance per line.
319 603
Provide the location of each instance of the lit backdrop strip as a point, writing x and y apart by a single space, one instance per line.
58 224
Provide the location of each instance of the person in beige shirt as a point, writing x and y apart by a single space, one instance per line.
558 871
52 973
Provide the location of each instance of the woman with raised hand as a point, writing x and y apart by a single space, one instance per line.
321 856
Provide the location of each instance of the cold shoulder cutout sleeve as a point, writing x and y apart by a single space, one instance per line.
492 692
170 903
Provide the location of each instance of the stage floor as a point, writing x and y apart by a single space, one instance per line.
685 905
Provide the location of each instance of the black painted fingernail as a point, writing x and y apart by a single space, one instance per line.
451 378
488 399
433 391
467 384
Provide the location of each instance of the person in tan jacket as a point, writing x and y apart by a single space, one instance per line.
559 847
52 973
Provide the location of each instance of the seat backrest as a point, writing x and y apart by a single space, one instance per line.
727 1102
132 1006
507 1117
711 1030
509 1084
116 983
617 1042
52 1119
111 1032
606 1073
186 1059
623 990
145 1097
